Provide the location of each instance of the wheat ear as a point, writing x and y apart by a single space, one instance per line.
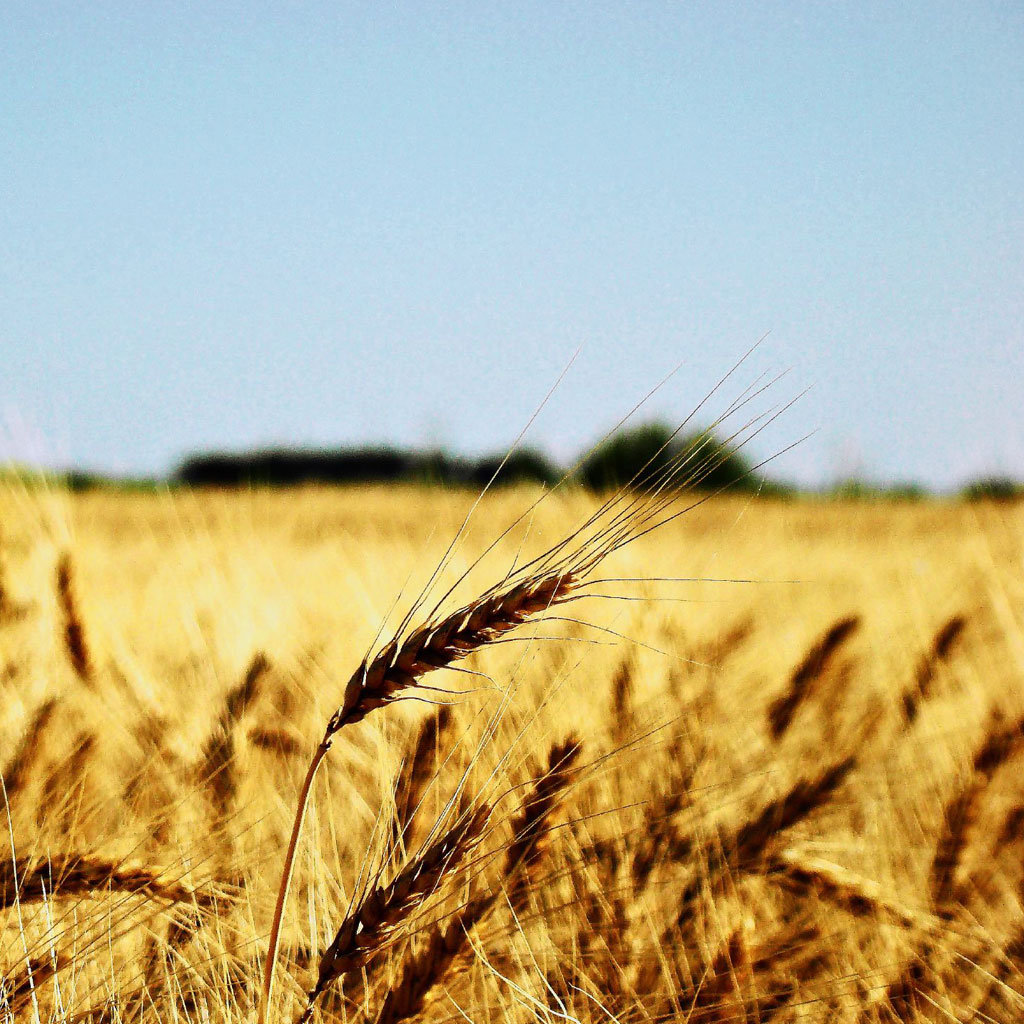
815 664
275 741
74 630
909 989
710 1002
743 850
398 667
216 767
860 897
18 989
942 646
417 774
26 881
369 928
960 814
17 772
408 996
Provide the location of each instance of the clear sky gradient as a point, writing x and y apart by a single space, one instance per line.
227 225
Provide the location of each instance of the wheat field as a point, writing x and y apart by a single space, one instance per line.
762 765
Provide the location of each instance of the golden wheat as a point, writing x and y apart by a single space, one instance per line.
703 869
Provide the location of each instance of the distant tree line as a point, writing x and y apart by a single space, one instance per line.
287 467
642 457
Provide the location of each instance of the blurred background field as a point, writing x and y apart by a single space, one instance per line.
168 661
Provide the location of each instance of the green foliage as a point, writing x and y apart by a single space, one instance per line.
906 491
993 488
854 489
77 481
640 456
283 467
524 465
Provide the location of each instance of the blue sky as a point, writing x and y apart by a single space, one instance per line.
227 225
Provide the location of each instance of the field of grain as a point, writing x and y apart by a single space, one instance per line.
764 766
